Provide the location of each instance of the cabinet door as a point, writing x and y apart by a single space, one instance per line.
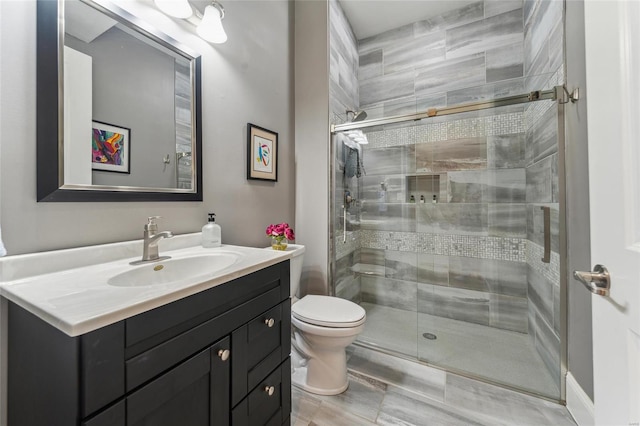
269 403
195 393
259 347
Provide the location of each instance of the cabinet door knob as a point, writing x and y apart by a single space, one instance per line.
269 390
224 354
269 322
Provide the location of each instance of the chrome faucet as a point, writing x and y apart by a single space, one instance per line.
151 239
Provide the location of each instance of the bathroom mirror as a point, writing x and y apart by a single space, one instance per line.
118 107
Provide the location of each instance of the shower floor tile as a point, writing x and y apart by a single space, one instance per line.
497 355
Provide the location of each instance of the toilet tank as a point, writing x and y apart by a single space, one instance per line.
295 266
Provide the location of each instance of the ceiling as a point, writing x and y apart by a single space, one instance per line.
371 17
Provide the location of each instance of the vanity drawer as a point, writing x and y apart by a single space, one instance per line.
151 328
149 364
258 347
269 403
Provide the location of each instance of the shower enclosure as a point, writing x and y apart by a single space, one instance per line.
446 228
447 211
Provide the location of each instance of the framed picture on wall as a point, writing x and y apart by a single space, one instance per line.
262 153
110 147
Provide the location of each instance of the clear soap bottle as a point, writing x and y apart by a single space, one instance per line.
211 233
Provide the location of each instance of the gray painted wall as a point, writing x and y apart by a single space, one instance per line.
580 349
312 140
247 79
142 100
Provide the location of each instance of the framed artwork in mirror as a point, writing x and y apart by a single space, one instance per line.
262 153
110 147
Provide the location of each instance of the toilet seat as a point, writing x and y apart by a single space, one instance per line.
328 311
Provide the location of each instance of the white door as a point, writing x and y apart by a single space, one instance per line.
612 30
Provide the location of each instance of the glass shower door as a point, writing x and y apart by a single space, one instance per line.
488 305
445 242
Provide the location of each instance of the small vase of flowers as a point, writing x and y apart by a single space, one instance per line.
280 235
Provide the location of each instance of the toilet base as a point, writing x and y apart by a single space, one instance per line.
299 379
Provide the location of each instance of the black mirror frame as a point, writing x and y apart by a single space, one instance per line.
48 100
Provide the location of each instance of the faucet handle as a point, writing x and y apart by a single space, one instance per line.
151 224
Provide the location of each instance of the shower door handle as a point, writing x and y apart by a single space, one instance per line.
344 224
546 214
597 282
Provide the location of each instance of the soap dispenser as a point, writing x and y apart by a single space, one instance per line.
211 233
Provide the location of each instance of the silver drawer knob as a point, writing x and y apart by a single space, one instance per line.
269 390
224 354
270 322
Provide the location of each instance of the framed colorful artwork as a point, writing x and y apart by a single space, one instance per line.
110 147
262 153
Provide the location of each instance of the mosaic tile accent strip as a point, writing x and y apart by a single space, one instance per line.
550 271
352 244
500 124
432 132
504 124
497 248
469 128
392 137
397 241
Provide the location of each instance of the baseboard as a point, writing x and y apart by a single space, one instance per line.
578 403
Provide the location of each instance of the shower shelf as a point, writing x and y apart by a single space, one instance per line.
426 185
368 269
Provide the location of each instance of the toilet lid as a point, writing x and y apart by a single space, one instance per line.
327 311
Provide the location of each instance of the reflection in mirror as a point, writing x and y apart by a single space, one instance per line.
128 125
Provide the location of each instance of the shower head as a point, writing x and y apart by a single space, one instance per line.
357 115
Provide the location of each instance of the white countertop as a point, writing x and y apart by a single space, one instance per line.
69 290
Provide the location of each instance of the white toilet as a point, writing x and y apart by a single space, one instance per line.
323 326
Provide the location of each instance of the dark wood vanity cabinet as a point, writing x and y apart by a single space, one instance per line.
214 358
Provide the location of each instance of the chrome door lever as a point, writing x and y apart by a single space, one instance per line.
597 282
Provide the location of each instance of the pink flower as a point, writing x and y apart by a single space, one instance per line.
289 235
269 230
280 231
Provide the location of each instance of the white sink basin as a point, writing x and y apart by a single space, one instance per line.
174 270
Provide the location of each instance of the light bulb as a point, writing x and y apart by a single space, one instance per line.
210 28
176 8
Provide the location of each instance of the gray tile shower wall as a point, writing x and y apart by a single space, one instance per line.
467 252
472 53
343 66
343 87
463 257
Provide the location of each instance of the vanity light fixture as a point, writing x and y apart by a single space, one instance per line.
176 8
211 28
210 25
